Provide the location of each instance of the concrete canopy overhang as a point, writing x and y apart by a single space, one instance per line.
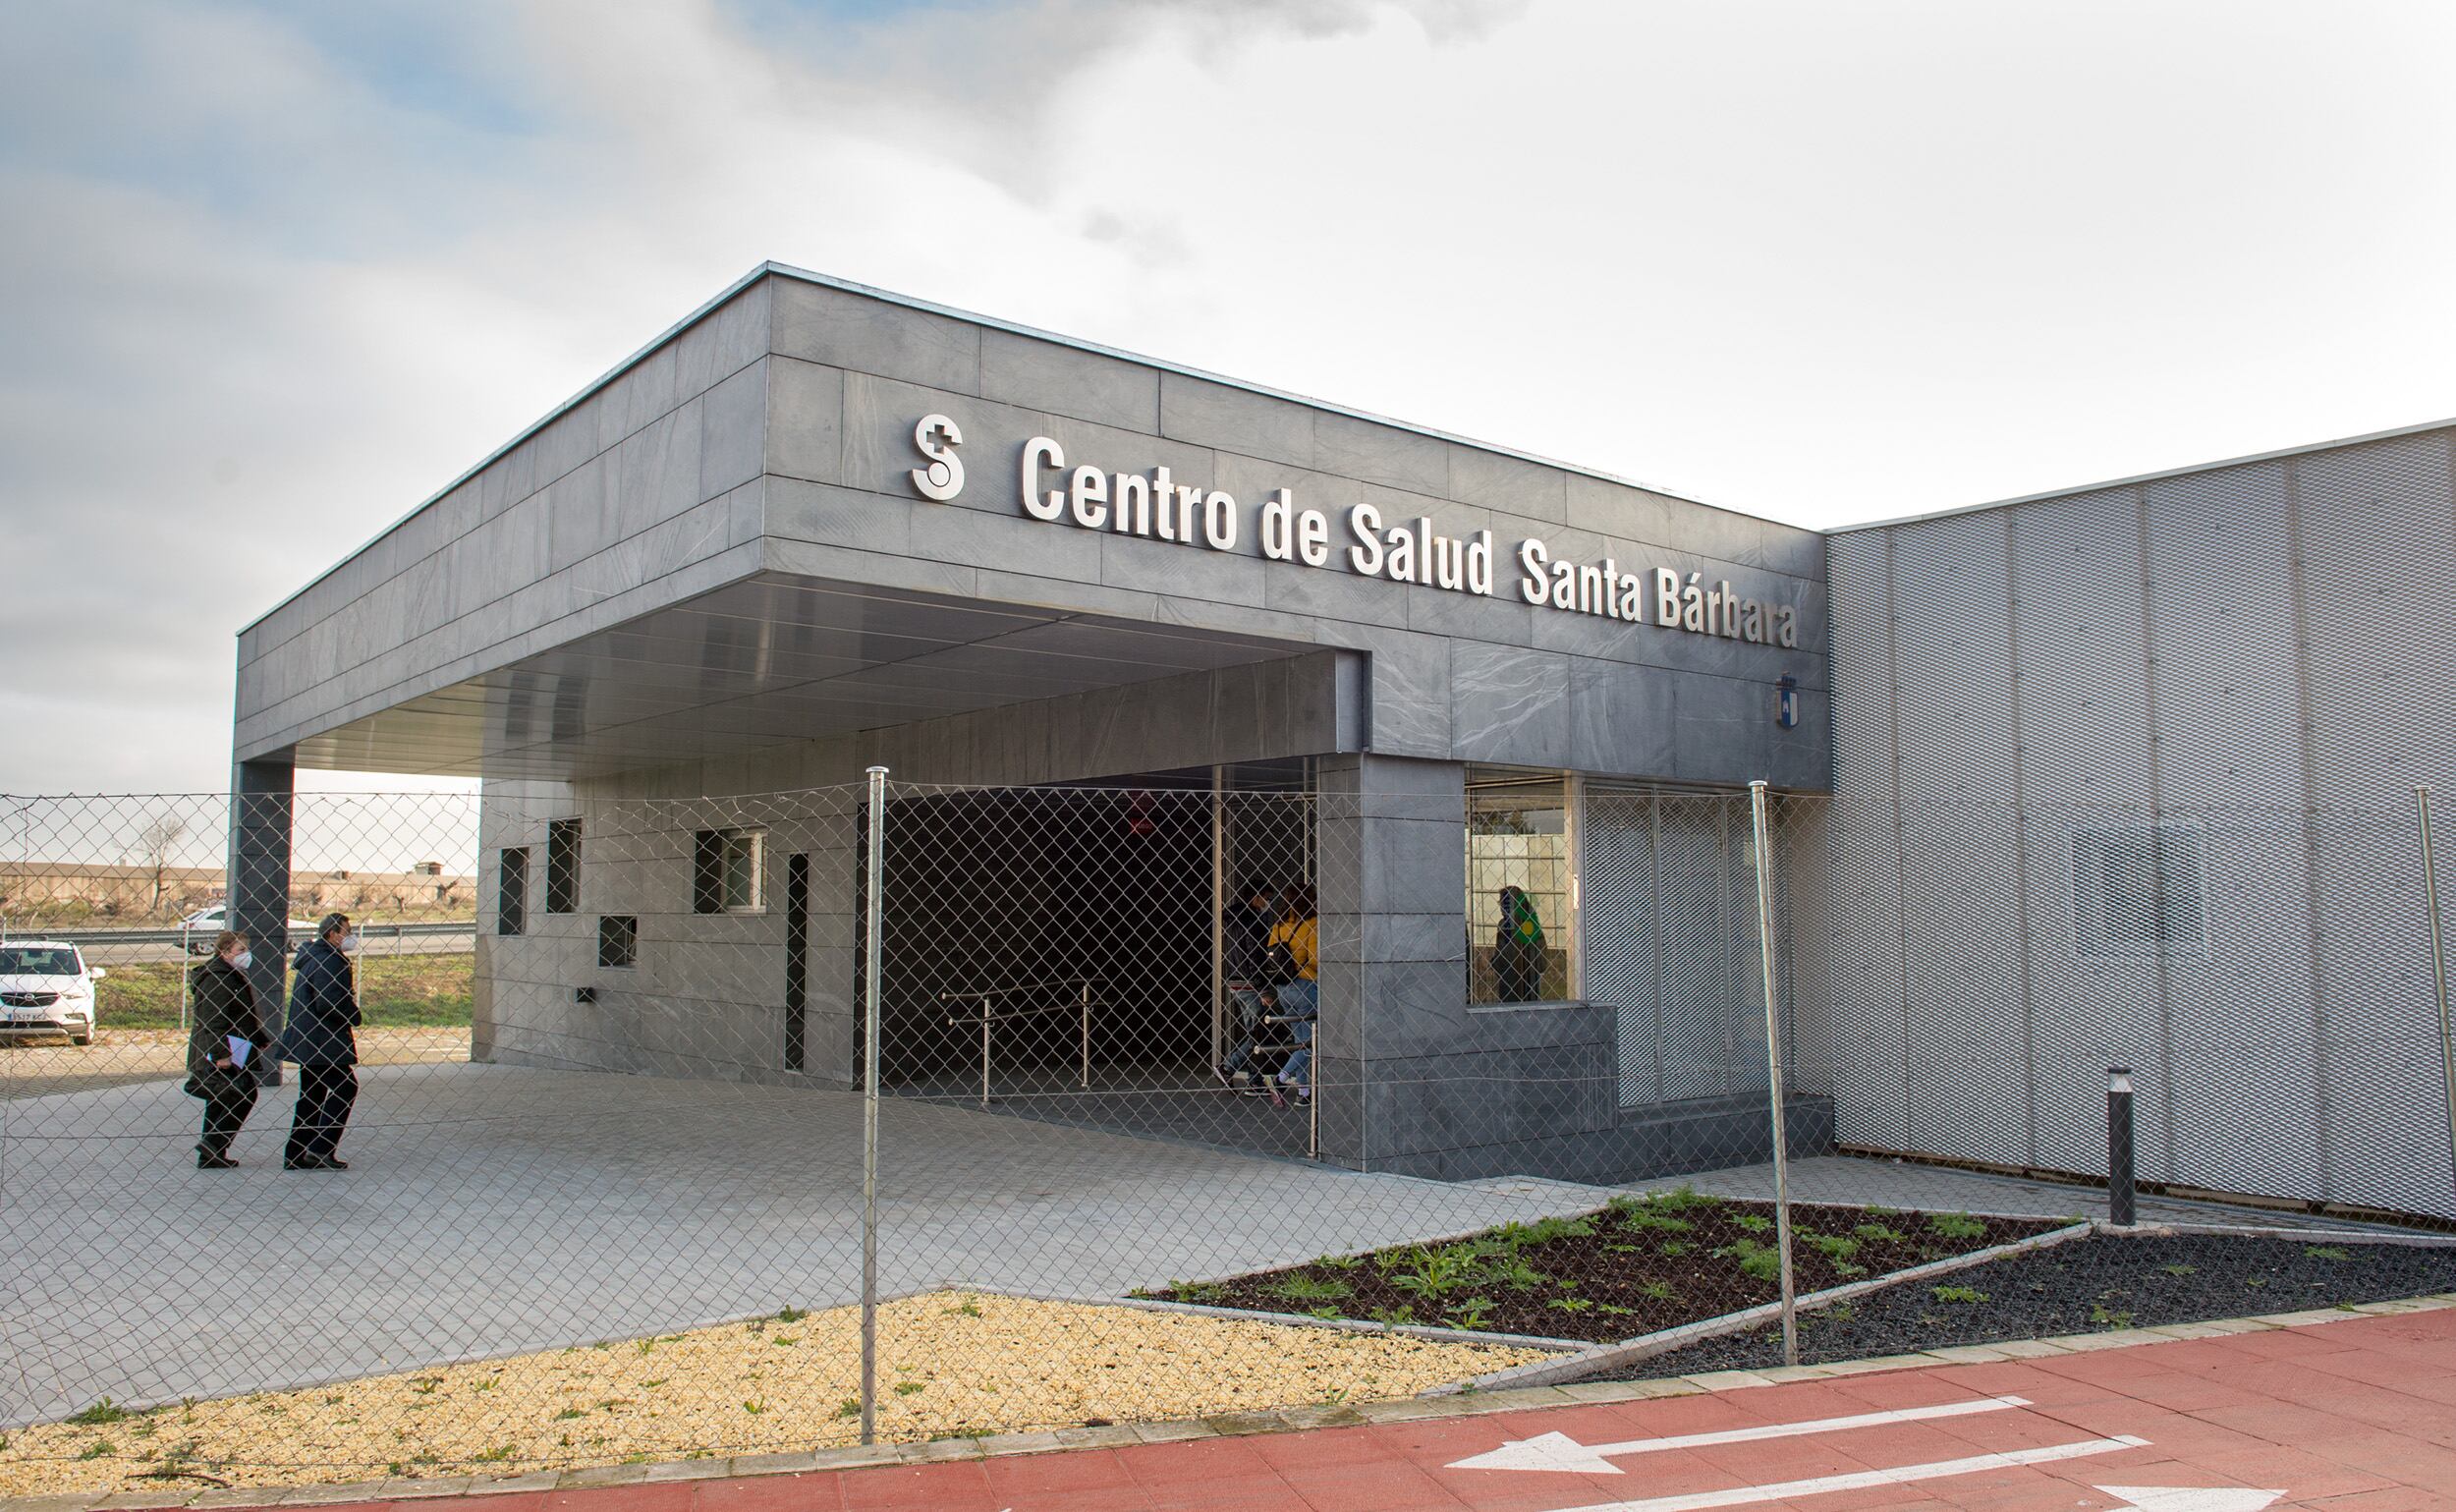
765 661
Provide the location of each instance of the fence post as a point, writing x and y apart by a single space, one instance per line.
874 937
2438 966
1773 1073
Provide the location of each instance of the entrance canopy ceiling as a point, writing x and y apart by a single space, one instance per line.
759 663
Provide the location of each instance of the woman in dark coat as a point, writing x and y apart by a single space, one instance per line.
1518 955
224 1012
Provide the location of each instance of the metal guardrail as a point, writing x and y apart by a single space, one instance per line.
1082 987
176 937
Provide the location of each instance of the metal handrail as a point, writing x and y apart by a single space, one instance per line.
1032 987
1082 1007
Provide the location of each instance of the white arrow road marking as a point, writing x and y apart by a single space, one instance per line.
1559 1451
1861 1480
2192 1498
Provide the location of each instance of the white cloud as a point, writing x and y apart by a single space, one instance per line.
276 274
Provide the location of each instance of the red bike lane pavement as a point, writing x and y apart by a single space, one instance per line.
2358 1415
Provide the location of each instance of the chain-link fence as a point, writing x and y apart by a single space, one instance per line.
1153 1058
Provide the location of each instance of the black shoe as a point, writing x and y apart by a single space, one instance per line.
1227 1078
208 1161
309 1164
335 1163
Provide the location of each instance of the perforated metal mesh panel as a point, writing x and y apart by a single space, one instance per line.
2127 777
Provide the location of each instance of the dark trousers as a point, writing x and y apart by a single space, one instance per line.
229 1098
325 1093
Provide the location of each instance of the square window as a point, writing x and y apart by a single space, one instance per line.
2137 891
618 940
727 870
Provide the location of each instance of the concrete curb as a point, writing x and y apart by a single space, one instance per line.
1291 1419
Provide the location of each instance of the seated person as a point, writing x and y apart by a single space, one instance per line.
1294 948
1244 937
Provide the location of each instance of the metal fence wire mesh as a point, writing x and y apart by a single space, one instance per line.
605 1197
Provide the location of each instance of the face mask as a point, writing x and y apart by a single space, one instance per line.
350 942
244 959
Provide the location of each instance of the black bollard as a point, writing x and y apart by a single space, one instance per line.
2119 1146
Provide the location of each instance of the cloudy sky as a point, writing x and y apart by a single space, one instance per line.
276 272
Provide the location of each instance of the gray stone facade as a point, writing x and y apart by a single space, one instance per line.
711 576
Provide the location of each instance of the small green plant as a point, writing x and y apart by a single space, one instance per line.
1834 1247
849 1407
1437 1271
1957 1226
1645 1220
2254 1282
647 1346
1197 1292
1658 1291
1615 1309
488 1385
1335 1396
1299 1287
1878 1233
1681 1198
652 1385
2110 1317
1673 1248
1841 1313
1337 1262
1470 1314
102 1411
968 1307
568 1414
908 1388
1755 1224
100 1448
1392 1316
426 1385
792 1315
1545 1230
1879 1210
1967 1295
496 1455
1324 1311
2181 1271
1760 1261
1571 1303
786 1340
2327 1251
755 1406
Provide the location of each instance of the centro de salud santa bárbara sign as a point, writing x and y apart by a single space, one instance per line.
1156 506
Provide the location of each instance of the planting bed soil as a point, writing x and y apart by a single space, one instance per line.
2089 1285
1636 1267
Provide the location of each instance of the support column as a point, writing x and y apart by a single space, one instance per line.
262 803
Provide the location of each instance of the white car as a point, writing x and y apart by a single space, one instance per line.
48 988
200 927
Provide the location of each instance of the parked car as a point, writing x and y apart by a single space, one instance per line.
48 988
200 927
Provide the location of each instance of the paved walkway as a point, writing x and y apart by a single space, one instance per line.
2356 1416
491 1210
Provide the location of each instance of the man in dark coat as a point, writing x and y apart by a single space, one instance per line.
324 1010
224 1018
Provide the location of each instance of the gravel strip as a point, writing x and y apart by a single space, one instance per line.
950 1365
2098 1284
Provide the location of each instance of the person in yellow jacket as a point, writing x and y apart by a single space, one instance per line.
1294 949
